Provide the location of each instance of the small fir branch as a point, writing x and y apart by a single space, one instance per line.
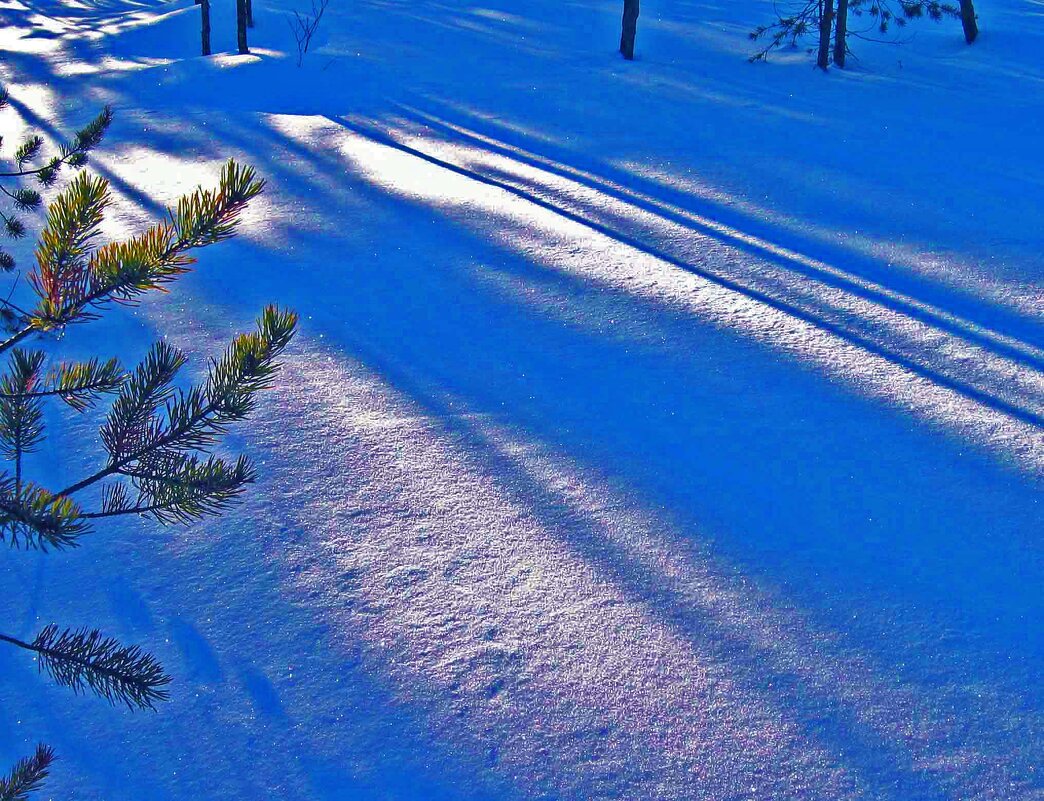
27 775
800 18
83 659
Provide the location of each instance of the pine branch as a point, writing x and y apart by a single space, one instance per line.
83 659
33 517
193 490
122 271
73 153
27 775
11 341
21 413
151 434
13 227
24 199
156 435
193 420
77 383
29 149
61 278
208 216
181 488
146 390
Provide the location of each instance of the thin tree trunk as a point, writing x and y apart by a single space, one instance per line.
841 33
630 28
204 12
250 13
241 25
971 27
826 25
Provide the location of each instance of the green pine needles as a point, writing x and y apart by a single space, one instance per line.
158 432
27 775
157 437
73 153
83 660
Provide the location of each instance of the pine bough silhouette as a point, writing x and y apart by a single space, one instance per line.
156 438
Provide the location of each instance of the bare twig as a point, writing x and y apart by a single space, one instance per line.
304 26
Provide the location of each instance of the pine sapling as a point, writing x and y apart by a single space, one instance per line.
799 19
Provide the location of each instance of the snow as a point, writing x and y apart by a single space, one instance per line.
657 430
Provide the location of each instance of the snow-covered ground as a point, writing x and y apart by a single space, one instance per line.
658 430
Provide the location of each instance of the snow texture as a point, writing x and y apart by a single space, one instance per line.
657 430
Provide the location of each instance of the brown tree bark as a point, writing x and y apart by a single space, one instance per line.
971 27
630 28
826 25
841 33
241 25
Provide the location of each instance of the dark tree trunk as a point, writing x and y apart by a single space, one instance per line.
971 27
204 13
841 33
241 25
250 13
630 28
826 25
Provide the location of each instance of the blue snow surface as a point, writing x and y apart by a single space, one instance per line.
656 430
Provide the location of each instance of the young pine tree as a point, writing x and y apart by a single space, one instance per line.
154 457
802 18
